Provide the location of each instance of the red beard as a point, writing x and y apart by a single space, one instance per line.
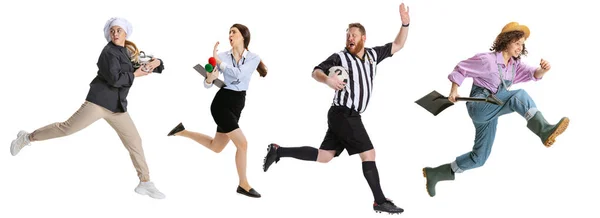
357 47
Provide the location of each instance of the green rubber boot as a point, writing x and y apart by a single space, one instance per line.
547 132
435 175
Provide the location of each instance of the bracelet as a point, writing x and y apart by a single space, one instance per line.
405 25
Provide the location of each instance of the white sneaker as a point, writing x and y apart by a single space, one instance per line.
21 141
147 188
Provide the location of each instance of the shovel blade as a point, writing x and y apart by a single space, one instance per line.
434 102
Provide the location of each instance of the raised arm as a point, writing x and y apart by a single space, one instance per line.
403 33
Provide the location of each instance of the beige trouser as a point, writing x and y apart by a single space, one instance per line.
89 113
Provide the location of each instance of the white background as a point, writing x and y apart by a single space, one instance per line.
49 53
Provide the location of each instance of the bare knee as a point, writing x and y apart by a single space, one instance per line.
217 146
218 143
241 146
218 149
238 138
325 156
368 155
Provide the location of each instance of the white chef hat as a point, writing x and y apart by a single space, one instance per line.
117 21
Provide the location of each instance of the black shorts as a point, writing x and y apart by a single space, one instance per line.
226 109
346 131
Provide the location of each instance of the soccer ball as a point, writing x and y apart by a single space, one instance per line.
341 72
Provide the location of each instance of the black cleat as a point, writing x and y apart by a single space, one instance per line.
271 156
177 129
388 206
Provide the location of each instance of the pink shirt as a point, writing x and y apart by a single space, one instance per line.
483 68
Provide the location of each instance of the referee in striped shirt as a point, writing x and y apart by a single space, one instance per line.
346 130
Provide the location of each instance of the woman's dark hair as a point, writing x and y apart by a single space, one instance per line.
504 39
262 69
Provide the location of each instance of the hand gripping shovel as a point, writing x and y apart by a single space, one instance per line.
218 82
435 102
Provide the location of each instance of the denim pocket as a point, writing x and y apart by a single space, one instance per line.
474 107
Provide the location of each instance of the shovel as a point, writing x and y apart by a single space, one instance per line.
218 82
435 102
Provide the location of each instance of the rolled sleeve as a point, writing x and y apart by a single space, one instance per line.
471 67
525 73
456 77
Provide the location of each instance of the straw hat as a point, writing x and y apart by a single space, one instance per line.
514 26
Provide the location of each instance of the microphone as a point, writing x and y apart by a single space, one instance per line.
209 68
212 63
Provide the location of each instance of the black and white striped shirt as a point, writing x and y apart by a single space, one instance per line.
358 90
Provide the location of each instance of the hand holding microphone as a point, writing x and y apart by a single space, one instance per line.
212 64
211 69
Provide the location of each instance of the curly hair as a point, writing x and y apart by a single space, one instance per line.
504 39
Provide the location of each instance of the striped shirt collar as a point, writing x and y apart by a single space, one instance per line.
364 53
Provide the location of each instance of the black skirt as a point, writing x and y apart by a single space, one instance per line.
226 109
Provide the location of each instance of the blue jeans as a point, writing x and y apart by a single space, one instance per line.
485 118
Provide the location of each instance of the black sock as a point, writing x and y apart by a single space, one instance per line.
302 153
372 176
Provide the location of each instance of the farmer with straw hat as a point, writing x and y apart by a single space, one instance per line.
493 73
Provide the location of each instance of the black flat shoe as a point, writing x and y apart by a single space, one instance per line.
252 193
177 129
